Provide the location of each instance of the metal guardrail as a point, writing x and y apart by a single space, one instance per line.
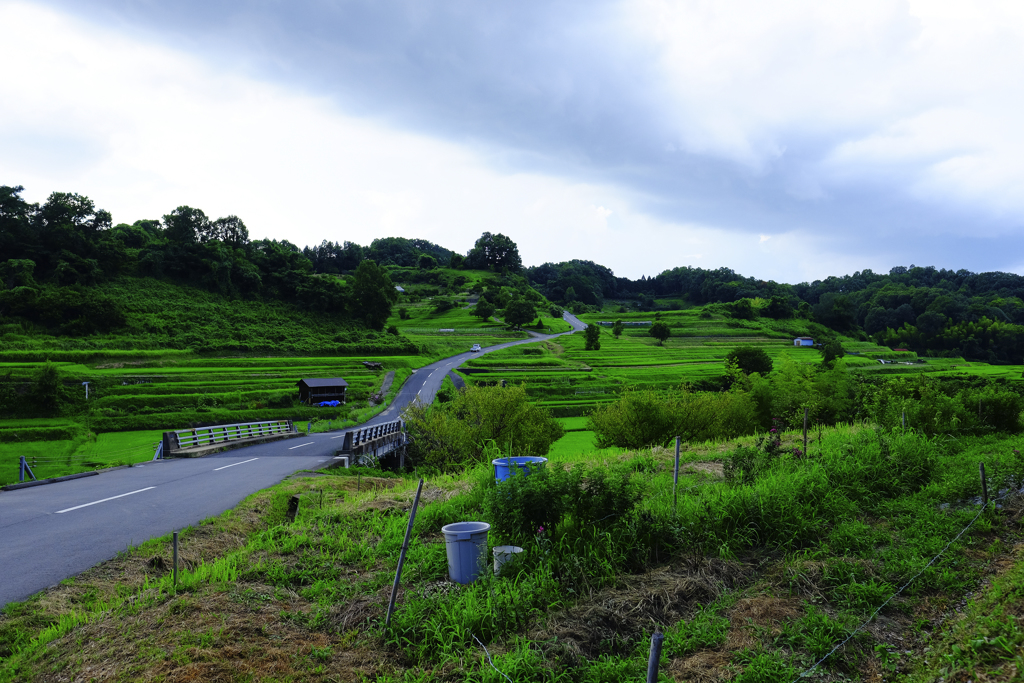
379 438
208 436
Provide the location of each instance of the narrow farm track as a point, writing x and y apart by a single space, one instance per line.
56 531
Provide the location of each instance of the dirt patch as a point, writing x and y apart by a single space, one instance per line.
760 611
432 493
704 667
617 618
213 636
715 469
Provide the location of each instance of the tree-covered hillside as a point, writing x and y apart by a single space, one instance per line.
61 259
55 255
932 311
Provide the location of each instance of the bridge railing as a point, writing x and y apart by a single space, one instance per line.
359 437
207 436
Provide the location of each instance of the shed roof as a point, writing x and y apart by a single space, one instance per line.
324 382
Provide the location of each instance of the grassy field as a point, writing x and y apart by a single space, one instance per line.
751 580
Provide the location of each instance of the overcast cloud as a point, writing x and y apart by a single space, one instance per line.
790 140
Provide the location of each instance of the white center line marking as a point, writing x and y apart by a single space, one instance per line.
337 437
301 445
234 463
96 502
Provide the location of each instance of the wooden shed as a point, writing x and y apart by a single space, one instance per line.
327 389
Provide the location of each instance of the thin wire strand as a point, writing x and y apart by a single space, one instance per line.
489 660
860 628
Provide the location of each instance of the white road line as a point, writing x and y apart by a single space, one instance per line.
338 437
234 463
97 502
301 445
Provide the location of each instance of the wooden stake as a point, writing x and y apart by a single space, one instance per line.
174 580
293 508
401 555
675 480
984 485
805 432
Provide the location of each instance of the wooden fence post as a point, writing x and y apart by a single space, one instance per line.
293 508
805 432
174 561
984 485
675 480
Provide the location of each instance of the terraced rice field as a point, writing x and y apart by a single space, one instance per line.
570 380
131 403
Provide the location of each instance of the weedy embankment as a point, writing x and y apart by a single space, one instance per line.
767 562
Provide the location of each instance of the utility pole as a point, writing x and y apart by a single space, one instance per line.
86 385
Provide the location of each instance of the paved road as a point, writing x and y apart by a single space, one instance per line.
55 531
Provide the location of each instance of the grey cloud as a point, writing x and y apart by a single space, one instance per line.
555 87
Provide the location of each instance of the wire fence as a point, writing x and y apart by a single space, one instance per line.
986 505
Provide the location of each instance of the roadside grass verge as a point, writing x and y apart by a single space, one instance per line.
752 578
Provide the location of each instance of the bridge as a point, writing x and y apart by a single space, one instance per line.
369 444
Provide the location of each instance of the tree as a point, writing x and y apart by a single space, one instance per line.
229 230
185 225
779 308
593 338
519 312
426 262
496 252
570 295
831 351
660 331
373 294
483 309
456 261
749 359
555 311
617 329
442 304
48 389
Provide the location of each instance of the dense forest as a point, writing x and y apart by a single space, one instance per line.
55 253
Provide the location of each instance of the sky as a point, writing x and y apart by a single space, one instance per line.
790 140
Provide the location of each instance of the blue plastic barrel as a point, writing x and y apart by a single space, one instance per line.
503 467
466 545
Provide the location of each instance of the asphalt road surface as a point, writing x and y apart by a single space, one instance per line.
58 530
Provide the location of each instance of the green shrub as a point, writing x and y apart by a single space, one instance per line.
449 435
523 505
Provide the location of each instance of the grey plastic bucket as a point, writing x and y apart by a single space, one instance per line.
503 554
503 467
466 545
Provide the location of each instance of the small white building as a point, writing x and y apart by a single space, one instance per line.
803 341
400 290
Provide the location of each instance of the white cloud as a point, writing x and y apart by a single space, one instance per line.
921 92
811 98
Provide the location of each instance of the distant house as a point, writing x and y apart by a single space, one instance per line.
318 390
626 323
903 350
400 290
803 341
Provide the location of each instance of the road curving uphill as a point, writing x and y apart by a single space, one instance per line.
51 533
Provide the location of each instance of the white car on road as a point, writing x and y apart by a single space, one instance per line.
475 347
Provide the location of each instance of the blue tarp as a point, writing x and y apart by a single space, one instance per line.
329 404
